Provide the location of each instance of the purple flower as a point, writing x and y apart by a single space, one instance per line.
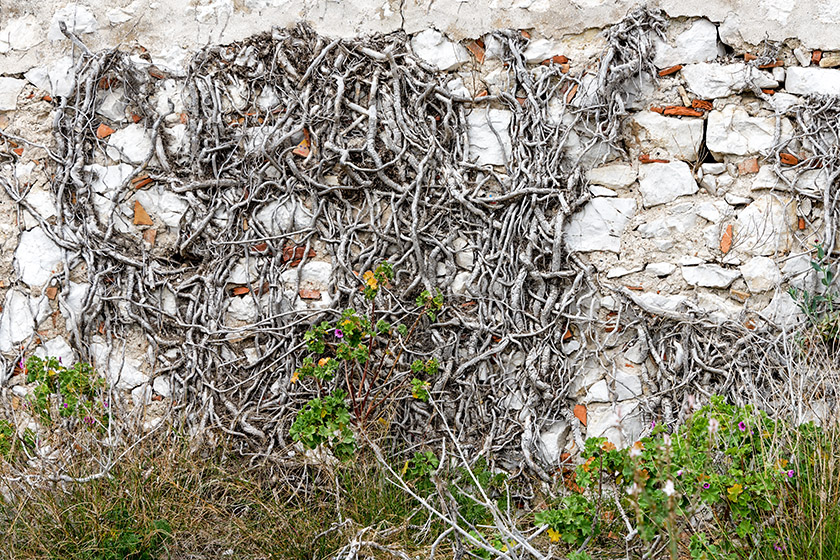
20 363
790 473
65 405
778 548
105 404
742 426
59 359
706 486
679 472
653 424
338 333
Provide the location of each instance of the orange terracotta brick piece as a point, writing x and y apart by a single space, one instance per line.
18 151
788 159
149 236
556 59
571 94
302 149
240 290
816 56
580 413
772 65
309 294
801 223
645 158
748 166
671 70
726 240
659 110
141 217
768 91
749 56
677 111
477 50
52 291
702 104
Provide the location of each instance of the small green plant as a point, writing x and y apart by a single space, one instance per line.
418 471
820 306
364 354
74 388
7 438
572 521
726 461
325 421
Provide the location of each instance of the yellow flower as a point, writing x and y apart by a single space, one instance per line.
553 535
370 279
296 376
323 361
734 491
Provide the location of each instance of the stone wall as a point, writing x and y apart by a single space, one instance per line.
706 205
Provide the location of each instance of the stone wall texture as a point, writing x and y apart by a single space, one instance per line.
708 203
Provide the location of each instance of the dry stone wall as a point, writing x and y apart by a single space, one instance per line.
705 204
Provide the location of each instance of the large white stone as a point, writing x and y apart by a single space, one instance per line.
766 226
660 183
132 144
805 81
698 43
78 19
628 381
9 90
761 274
621 423
599 392
553 438
20 34
660 269
163 204
489 136
679 137
57 348
598 226
732 131
105 179
58 78
113 105
314 274
37 257
280 217
800 274
709 275
709 80
70 303
541 49
783 311
121 370
17 323
811 181
433 48
614 175
162 386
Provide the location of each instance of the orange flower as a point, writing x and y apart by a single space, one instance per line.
608 446
370 279
296 376
323 361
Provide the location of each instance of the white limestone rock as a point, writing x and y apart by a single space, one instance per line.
460 283
732 131
598 226
70 303
278 218
432 47
620 271
680 138
10 88
660 269
660 183
614 175
57 348
715 211
709 275
596 191
718 309
163 204
132 144
42 202
141 395
17 322
553 439
761 274
766 226
710 81
784 102
113 105
597 393
799 273
37 257
808 81
20 34
121 370
628 382
78 19
58 78
698 43
783 311
162 386
620 423
315 274
483 126
663 301
464 258
811 181
541 49
242 308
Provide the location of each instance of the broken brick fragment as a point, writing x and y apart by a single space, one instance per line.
104 131
726 240
816 56
477 50
748 166
141 217
788 159
645 158
671 70
309 294
773 64
678 111
702 104
580 413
